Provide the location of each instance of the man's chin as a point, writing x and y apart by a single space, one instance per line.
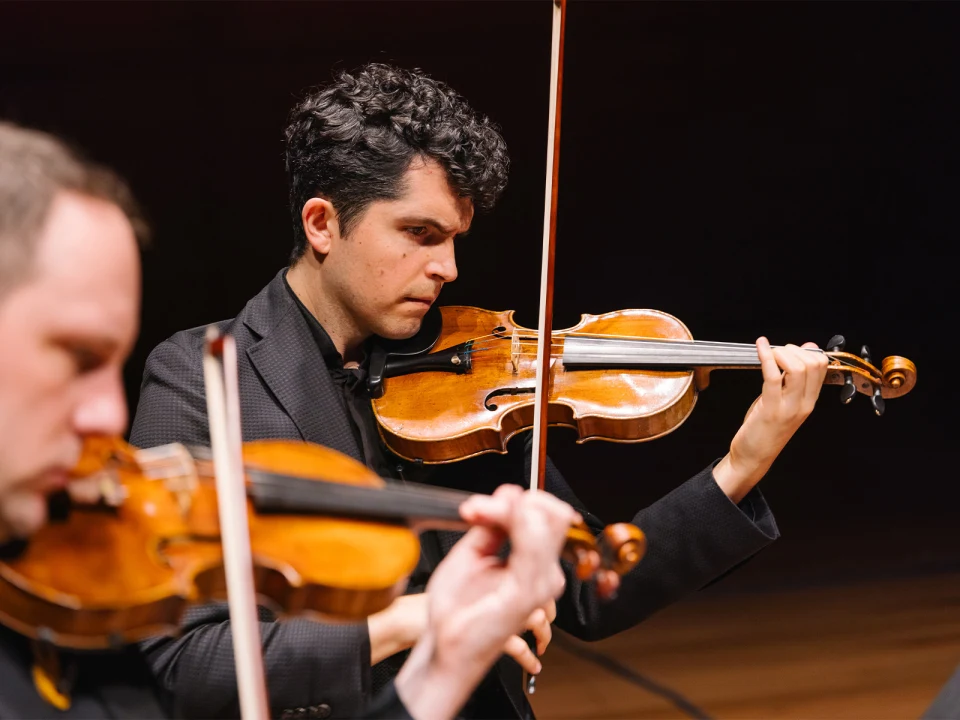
399 328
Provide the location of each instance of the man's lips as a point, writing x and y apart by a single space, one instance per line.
52 480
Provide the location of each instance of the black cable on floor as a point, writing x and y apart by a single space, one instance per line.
632 676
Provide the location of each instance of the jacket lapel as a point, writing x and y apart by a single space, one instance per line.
289 363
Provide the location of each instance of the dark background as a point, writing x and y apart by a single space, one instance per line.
788 169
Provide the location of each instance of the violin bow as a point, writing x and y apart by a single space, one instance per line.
541 403
538 462
223 409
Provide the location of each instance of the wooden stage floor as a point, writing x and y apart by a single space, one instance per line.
876 649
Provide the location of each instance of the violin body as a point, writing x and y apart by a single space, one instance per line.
142 541
454 416
465 384
110 574
63 587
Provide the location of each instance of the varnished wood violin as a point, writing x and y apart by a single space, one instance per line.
141 540
464 385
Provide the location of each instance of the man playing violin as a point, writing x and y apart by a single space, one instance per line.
386 168
69 314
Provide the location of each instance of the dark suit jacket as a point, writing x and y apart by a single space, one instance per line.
116 685
695 532
946 706
107 685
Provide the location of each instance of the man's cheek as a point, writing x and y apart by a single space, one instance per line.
22 513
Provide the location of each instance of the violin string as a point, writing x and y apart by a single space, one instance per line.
494 340
682 345
747 351
638 344
428 500
409 490
534 337
526 339
718 350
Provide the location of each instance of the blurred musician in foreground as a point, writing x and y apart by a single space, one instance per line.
69 315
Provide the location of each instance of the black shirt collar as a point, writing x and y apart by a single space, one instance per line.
331 356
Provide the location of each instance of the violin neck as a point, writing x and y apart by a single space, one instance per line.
602 352
421 507
407 504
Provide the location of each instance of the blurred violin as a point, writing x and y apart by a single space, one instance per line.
141 539
465 384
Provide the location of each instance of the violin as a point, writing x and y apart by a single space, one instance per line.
140 540
465 383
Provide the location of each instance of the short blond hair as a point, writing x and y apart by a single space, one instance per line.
34 167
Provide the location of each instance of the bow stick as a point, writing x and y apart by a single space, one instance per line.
538 462
223 409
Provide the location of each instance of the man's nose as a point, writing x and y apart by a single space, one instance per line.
104 409
443 265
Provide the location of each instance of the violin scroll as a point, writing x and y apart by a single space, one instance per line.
616 550
856 374
622 546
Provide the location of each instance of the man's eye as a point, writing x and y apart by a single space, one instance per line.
86 360
419 231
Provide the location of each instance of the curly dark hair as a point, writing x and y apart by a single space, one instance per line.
352 141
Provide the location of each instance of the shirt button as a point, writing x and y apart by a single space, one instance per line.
321 711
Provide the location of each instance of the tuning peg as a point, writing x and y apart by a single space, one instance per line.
865 353
877 400
836 343
848 390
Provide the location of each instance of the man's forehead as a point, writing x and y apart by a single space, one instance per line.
88 234
78 299
427 191
87 266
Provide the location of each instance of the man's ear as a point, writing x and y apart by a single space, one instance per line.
320 224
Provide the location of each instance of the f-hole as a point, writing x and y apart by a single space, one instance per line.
506 391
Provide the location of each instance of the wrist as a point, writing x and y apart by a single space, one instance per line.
737 478
432 686
391 631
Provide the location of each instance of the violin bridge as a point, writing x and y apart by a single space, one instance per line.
515 351
112 493
101 487
174 464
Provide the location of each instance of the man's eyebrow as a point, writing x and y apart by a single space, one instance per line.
99 343
434 223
